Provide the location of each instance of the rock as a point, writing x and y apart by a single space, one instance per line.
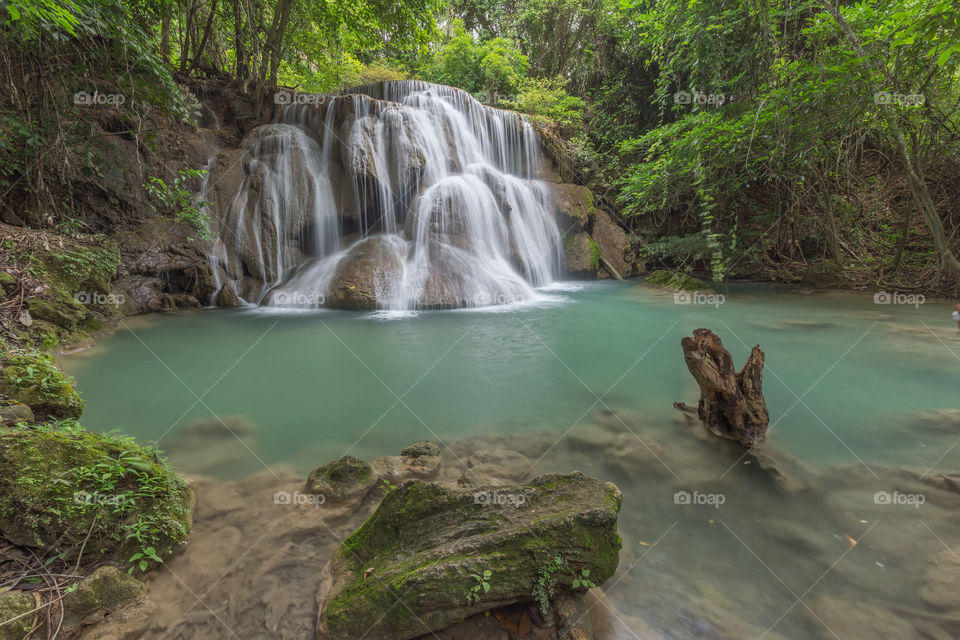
98 595
227 297
941 583
396 469
407 570
613 241
62 312
31 378
674 281
48 501
581 255
823 275
343 479
418 449
220 427
471 479
14 413
13 604
849 619
7 284
368 274
573 205
141 294
946 420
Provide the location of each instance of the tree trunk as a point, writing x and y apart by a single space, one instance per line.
165 30
917 185
731 403
203 40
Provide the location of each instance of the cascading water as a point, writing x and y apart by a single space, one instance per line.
400 195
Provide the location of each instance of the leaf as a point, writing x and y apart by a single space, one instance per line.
585 573
143 565
487 574
13 11
486 587
944 56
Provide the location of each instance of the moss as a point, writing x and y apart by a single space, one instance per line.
31 378
61 485
675 281
595 253
13 604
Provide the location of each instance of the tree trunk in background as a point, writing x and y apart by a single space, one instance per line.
917 185
240 70
731 403
165 30
206 34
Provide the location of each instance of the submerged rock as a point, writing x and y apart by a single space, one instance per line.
941 584
420 562
342 479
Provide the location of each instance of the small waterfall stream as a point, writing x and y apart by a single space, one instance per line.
400 195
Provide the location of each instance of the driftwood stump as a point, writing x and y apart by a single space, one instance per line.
731 403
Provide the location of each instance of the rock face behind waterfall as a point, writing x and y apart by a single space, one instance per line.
409 570
399 195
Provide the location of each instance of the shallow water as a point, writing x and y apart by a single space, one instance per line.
842 377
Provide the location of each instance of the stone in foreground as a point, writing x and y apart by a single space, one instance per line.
413 567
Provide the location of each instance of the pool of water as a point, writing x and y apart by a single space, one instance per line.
844 380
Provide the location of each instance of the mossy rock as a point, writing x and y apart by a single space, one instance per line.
675 281
61 485
408 569
13 604
7 283
32 378
106 589
419 449
824 275
343 479
62 312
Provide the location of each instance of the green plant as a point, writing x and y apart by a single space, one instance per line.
177 201
483 584
582 580
546 582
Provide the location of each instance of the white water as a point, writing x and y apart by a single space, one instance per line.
435 194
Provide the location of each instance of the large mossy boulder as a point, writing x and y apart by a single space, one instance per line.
420 562
31 378
66 489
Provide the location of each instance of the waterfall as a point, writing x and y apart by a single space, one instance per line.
399 195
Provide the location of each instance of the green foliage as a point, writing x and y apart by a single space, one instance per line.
582 580
482 585
546 583
548 97
177 201
33 17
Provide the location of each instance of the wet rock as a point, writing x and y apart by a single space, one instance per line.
471 479
613 242
99 595
418 449
424 541
573 205
368 274
141 294
227 297
344 479
396 469
581 255
941 582
14 413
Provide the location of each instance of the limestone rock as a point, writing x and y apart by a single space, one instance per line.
343 479
414 557
367 274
